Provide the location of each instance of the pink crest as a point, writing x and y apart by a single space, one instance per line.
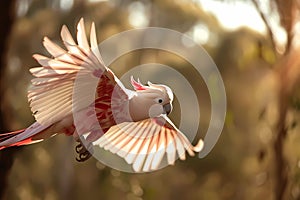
137 85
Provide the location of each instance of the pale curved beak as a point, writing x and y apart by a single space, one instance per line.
167 108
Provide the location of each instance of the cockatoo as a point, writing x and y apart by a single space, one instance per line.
130 123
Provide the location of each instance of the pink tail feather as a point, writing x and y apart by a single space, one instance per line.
21 137
5 136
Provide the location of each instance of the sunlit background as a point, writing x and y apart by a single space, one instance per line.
255 44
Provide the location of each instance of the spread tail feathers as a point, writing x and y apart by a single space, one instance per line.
22 137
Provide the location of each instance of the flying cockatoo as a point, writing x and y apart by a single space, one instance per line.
130 123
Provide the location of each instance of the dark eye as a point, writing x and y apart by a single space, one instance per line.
160 100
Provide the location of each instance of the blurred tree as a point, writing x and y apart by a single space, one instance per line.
288 68
7 16
231 171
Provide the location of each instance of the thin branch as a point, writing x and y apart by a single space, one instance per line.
268 26
289 76
281 165
287 10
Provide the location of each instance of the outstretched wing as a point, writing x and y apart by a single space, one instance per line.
144 144
52 94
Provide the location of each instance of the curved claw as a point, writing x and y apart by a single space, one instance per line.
78 148
83 156
83 153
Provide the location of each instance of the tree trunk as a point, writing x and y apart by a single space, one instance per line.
7 17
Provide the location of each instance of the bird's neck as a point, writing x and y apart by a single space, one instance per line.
138 108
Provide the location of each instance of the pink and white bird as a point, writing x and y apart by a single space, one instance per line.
130 123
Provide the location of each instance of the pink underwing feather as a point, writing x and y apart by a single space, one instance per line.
145 143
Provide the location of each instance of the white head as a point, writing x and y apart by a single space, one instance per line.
150 101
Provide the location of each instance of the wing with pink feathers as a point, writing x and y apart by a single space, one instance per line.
52 94
144 144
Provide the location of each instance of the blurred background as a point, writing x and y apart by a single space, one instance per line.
255 44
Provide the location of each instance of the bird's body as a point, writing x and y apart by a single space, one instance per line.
74 93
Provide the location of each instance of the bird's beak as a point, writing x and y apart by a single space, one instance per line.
167 108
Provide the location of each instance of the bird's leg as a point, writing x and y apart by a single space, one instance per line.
82 149
83 153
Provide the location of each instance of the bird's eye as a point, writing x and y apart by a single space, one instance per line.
160 100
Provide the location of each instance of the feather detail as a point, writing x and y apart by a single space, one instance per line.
145 143
6 136
51 96
94 44
21 137
81 36
137 85
58 52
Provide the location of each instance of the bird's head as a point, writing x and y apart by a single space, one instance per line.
150 101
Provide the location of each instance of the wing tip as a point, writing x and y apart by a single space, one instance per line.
199 146
80 25
64 28
81 20
37 56
64 32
